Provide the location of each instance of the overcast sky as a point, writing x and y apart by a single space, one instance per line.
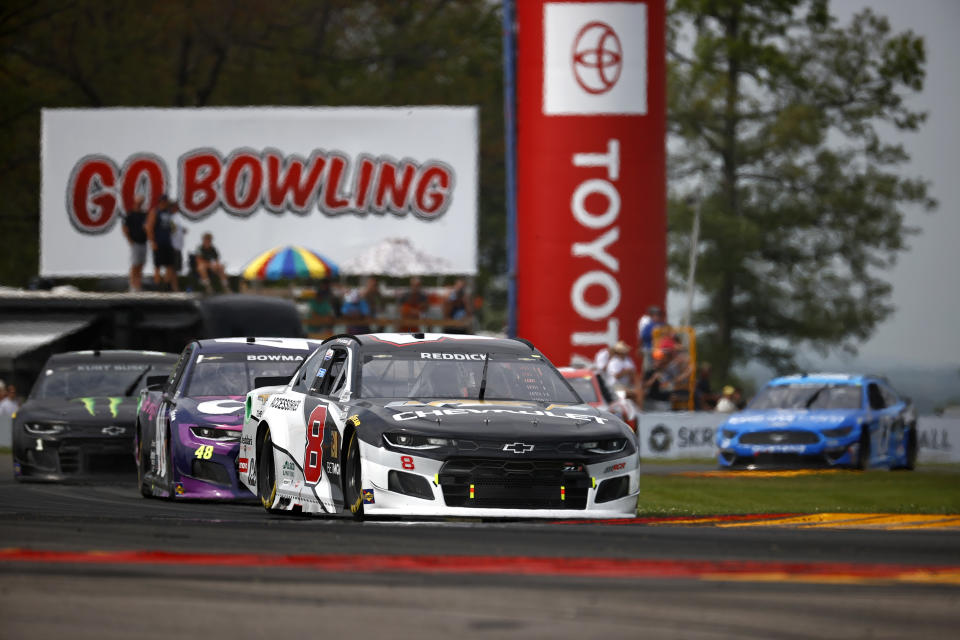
925 329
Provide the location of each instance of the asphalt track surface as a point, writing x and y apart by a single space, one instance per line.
99 561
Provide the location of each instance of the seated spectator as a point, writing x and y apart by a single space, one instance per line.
727 402
413 304
703 397
353 310
208 260
457 306
324 305
671 374
10 402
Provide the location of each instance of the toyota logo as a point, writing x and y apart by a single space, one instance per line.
113 431
597 57
518 447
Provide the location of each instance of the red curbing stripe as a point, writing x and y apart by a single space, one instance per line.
516 565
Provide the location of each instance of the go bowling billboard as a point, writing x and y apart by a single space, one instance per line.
591 171
335 180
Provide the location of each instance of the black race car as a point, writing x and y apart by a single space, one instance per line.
79 419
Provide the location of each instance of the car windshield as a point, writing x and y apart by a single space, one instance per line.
808 396
462 375
584 388
234 374
100 379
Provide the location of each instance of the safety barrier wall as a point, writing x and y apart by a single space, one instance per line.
693 435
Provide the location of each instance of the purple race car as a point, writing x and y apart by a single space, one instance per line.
188 427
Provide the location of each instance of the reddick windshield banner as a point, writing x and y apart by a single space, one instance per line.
332 180
591 171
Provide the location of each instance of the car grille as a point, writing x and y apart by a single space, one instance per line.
514 484
210 471
787 436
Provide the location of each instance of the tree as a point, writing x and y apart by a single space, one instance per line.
777 118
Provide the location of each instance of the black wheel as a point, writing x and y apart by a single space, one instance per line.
911 462
266 474
863 453
142 462
353 479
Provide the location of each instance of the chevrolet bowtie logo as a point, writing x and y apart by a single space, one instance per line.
518 447
113 431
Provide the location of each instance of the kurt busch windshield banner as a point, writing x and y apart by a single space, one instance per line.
591 172
334 180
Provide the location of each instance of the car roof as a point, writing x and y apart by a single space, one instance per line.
821 378
258 345
111 355
463 343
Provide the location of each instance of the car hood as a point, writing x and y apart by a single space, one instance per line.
87 410
216 410
792 418
495 419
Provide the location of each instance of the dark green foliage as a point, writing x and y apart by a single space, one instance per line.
778 118
92 53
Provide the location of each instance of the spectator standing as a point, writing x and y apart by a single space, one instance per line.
353 310
703 397
671 374
208 261
159 228
457 306
620 371
10 403
136 235
413 305
371 293
647 324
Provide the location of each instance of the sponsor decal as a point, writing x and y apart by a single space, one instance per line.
287 469
274 357
88 404
247 180
660 438
284 404
333 468
328 356
220 407
113 430
243 465
252 475
179 489
453 356
334 449
368 496
321 373
354 420
518 447
778 448
615 467
413 415
247 440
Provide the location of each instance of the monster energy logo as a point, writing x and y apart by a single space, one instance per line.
90 405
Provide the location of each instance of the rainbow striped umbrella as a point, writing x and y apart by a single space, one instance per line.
289 262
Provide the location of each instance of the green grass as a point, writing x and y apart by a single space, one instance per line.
929 491
5 450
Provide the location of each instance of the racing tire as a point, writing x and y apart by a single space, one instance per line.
353 479
266 473
863 451
911 458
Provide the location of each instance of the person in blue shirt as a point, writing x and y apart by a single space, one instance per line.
355 308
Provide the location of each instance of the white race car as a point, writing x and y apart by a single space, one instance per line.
435 425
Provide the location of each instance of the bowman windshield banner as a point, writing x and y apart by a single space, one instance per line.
591 171
334 180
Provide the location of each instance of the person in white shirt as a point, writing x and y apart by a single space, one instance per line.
620 371
726 403
9 404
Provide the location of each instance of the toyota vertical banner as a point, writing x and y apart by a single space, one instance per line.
591 171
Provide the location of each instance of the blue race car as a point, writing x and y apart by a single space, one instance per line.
822 420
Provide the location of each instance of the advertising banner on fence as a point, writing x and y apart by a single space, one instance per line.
591 171
334 180
679 435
